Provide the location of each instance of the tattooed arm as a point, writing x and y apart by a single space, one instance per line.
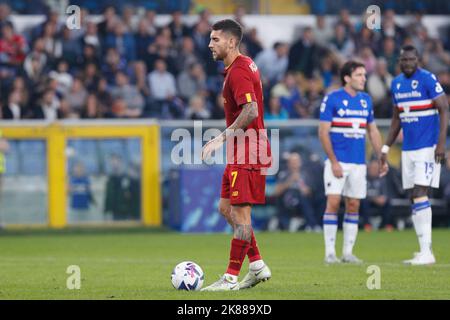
248 114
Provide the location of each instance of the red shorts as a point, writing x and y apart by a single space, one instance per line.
242 185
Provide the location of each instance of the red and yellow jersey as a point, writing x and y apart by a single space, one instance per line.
243 85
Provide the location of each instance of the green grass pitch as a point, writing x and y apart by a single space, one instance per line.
136 264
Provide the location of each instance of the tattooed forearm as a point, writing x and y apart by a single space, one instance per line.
243 232
248 114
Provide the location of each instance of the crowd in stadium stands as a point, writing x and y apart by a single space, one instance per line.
121 69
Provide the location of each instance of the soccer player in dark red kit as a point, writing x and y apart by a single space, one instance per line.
248 155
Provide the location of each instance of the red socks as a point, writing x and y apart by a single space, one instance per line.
253 251
239 249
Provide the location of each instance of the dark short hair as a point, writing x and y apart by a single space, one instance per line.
230 26
409 47
348 68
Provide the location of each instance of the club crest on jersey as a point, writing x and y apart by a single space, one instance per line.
345 102
363 103
414 84
398 86
406 109
355 125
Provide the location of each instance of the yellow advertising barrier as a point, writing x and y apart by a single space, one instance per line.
56 135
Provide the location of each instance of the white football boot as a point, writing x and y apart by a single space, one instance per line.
350 258
332 259
421 259
225 283
253 277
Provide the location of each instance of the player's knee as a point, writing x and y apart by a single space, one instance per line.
352 205
333 205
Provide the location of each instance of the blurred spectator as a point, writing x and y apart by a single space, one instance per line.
366 56
90 76
76 96
14 109
91 36
143 39
377 202
110 19
275 111
91 109
312 99
35 63
187 55
112 64
390 54
118 196
140 79
304 54
62 77
13 46
294 197
200 35
435 58
128 92
5 14
104 96
344 20
252 42
328 69
390 29
81 196
272 63
378 86
52 42
342 43
21 87
161 82
122 41
191 81
48 107
289 95
323 32
90 54
178 29
218 108
128 13
366 38
197 109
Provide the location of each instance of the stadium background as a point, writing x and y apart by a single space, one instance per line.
92 97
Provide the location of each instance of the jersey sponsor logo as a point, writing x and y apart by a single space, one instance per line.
411 94
347 112
363 103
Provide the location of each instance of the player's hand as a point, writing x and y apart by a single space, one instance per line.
439 154
211 146
383 165
337 170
